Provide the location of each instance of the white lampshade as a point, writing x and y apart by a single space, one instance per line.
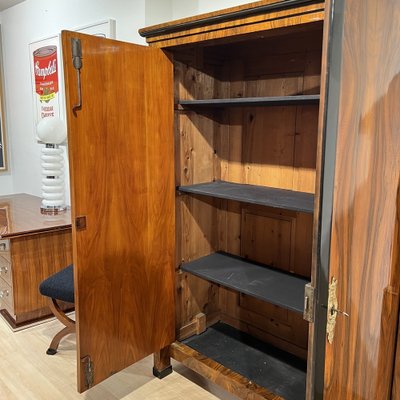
51 130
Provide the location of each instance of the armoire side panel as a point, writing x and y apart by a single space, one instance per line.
197 217
364 242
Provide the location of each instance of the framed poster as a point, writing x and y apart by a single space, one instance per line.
46 74
4 221
46 71
104 28
3 151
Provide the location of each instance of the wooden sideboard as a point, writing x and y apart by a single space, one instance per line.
32 247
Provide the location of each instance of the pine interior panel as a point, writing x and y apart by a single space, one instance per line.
197 232
278 326
279 239
264 146
195 297
267 147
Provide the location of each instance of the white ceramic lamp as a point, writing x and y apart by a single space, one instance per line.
52 132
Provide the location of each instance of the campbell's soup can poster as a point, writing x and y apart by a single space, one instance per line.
45 63
46 73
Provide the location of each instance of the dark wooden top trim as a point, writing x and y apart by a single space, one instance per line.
225 15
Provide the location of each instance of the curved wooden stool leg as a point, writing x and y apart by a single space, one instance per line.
69 327
56 340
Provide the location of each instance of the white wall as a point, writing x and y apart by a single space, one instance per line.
6 179
183 8
37 19
158 11
30 21
212 5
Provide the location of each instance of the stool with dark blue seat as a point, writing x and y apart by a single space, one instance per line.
60 287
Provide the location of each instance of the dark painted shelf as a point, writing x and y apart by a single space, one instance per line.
281 373
253 101
265 283
261 195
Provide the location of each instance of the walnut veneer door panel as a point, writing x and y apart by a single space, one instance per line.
364 237
122 181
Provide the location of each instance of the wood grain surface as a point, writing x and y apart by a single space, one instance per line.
35 258
365 241
20 215
396 371
122 179
282 328
231 381
37 246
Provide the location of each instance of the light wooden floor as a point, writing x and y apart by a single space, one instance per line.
27 373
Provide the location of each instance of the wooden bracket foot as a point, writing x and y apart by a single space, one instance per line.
163 373
162 363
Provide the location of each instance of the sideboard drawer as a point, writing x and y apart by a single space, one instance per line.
5 269
6 296
5 249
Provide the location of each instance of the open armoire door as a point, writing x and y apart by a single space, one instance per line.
119 101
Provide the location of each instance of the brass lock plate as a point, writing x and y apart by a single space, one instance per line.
332 313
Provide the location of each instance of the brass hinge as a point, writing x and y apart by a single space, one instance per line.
89 371
77 63
309 292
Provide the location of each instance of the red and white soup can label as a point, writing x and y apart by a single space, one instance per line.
46 73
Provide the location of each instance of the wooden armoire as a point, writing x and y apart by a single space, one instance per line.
235 198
